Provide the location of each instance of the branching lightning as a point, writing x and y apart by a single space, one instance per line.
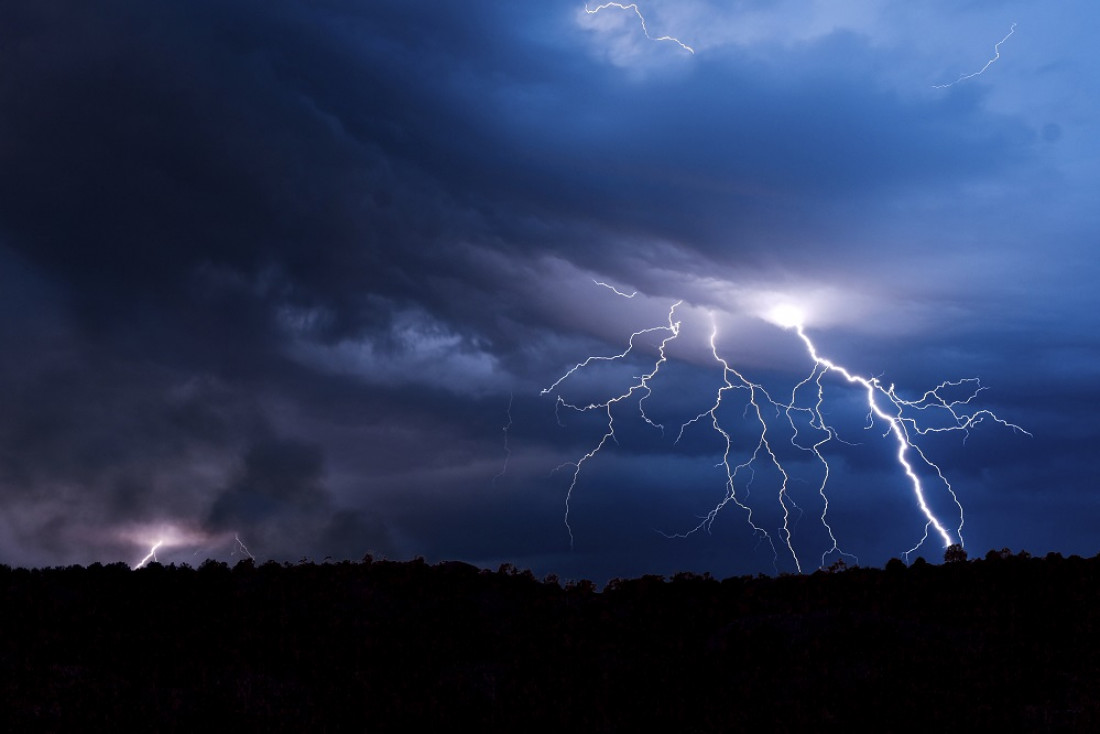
732 379
806 430
645 29
979 72
897 413
640 387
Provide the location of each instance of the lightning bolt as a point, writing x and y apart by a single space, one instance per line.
614 290
807 431
732 379
242 547
645 29
150 556
641 387
171 535
979 72
896 413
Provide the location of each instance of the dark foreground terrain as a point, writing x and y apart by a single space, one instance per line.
1005 643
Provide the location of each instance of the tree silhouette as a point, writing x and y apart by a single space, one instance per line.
954 554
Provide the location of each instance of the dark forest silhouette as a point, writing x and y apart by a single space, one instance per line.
1007 641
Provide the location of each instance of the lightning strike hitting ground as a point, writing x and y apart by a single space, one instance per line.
734 380
151 555
979 72
902 425
163 536
808 431
645 29
242 547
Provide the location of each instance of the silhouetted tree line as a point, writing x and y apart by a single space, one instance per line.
1007 642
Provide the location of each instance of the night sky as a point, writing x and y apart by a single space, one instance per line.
298 274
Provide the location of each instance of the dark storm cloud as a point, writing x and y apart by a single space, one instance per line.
175 164
773 146
146 145
279 500
275 473
175 178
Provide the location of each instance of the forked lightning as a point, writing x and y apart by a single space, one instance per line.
903 420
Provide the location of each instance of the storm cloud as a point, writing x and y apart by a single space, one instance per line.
287 270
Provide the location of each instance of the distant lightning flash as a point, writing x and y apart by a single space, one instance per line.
507 449
161 536
151 555
645 29
979 72
242 547
807 431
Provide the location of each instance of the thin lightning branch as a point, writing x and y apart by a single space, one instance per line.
979 72
674 328
614 290
507 450
640 387
817 422
755 391
242 547
905 421
645 29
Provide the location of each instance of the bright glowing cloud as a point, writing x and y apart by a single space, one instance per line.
786 315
